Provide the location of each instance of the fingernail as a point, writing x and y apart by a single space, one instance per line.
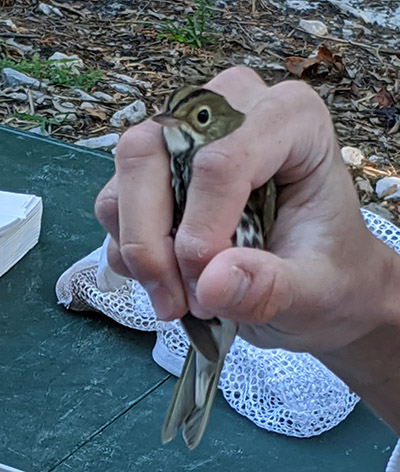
236 286
194 305
161 300
192 284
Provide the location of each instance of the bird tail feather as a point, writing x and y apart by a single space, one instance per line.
182 400
192 400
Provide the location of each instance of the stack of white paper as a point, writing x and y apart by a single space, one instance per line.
20 220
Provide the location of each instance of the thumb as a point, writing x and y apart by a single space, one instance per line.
246 285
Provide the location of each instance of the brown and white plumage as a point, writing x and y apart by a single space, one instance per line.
195 117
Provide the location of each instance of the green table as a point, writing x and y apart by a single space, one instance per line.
79 392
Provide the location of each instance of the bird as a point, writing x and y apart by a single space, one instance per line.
194 117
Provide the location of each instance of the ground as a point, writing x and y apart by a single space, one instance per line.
354 64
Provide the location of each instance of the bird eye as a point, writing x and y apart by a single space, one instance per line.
203 116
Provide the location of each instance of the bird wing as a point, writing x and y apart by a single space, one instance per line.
182 400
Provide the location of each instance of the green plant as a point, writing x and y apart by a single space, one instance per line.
46 124
194 30
60 72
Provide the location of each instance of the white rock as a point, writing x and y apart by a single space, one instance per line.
144 84
352 72
44 8
66 117
18 46
86 106
352 156
13 78
18 96
63 107
125 89
60 59
314 27
83 95
60 56
39 130
103 96
48 9
325 90
389 188
10 24
40 97
375 158
363 185
124 78
133 113
274 66
105 142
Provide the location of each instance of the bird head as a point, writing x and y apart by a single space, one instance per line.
199 114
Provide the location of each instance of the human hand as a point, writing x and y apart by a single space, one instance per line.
310 289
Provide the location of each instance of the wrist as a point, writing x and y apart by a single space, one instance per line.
370 364
391 292
376 295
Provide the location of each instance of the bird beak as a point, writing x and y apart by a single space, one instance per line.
166 119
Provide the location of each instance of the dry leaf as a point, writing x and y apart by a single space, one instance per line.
374 172
300 66
96 113
355 90
390 191
383 98
324 54
338 63
331 60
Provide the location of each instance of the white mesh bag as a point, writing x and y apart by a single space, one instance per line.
288 393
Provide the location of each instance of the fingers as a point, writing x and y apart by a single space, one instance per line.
314 295
106 208
136 206
115 260
248 285
106 211
223 175
217 194
241 86
251 286
140 218
225 172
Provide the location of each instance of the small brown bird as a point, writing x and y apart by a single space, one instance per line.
193 118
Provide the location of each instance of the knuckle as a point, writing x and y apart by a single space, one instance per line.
124 145
105 207
210 165
238 73
296 94
116 263
293 87
137 144
274 298
140 260
263 309
191 250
